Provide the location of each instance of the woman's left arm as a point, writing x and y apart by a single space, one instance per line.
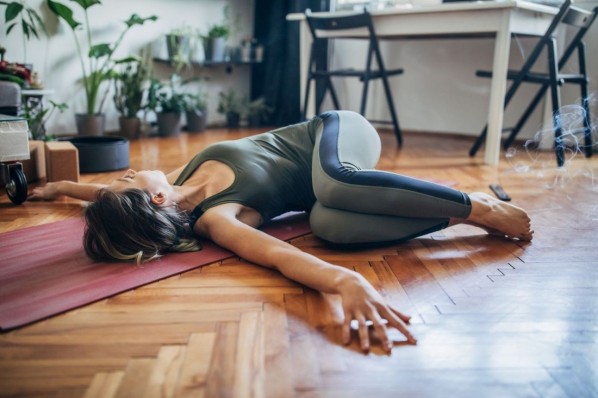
359 298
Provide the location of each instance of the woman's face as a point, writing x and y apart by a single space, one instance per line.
147 180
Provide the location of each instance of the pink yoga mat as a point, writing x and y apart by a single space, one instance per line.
44 270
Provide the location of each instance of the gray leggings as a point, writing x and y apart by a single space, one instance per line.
357 204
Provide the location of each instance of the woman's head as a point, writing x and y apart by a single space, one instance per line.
126 225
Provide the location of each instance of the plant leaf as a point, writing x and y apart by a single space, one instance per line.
63 12
127 60
10 28
35 19
100 50
85 4
12 11
26 30
137 20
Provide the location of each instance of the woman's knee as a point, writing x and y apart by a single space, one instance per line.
345 144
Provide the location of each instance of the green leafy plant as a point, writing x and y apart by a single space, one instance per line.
17 13
258 109
216 31
165 97
129 85
197 100
231 102
232 105
96 62
37 118
223 29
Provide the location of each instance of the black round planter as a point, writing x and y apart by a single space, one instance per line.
101 153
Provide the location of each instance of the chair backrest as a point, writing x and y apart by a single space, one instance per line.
582 20
357 26
566 15
339 22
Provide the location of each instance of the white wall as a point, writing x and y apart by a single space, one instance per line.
439 90
56 61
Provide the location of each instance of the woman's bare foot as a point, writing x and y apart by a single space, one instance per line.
498 217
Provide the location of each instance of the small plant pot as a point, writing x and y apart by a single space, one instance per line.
130 127
169 124
97 154
233 120
254 121
196 120
178 47
215 49
90 125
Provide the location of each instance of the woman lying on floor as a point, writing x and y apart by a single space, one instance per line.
323 166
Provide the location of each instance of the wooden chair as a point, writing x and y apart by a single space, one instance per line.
580 20
321 71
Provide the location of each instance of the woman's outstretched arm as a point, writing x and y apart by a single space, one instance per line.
359 298
77 190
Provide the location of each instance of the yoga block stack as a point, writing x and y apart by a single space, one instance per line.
62 161
35 167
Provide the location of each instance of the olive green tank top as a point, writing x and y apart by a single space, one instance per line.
272 171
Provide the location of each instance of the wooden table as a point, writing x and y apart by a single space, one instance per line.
498 19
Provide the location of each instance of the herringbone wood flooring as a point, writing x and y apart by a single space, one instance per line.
493 318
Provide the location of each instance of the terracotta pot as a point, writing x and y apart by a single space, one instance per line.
130 127
169 124
90 125
196 120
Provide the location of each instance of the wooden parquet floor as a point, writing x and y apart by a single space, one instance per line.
493 318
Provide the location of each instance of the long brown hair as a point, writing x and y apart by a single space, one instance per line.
127 226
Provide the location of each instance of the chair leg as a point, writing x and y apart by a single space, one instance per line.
559 146
587 126
306 99
585 100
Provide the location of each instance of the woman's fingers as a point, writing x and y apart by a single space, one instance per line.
380 328
347 328
364 335
396 320
403 317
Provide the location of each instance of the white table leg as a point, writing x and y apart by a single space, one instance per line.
305 40
497 90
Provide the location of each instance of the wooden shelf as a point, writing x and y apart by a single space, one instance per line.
207 64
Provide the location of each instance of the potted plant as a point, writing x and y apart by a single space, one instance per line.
257 111
232 106
216 37
129 88
96 62
196 112
215 42
17 13
168 105
178 45
196 106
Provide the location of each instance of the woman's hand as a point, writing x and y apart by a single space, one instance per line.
360 300
50 191
363 303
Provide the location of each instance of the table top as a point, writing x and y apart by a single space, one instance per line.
442 7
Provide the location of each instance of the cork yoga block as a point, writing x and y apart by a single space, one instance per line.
62 161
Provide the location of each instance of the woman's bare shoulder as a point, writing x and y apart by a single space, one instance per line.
224 215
